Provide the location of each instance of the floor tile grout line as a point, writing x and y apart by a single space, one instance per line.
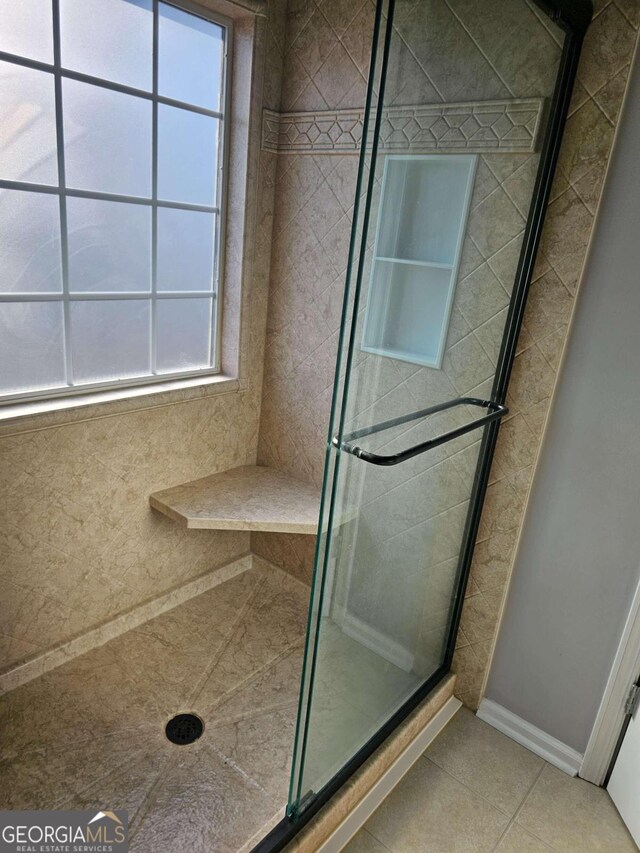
232 765
66 802
519 809
217 657
146 806
464 785
230 694
251 715
153 791
373 835
527 795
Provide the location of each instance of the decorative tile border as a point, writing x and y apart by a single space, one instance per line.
510 126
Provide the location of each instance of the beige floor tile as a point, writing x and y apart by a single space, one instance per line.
573 816
517 840
364 842
486 761
431 812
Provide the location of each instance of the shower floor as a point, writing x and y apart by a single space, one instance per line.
90 734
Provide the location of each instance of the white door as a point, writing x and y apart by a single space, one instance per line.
624 785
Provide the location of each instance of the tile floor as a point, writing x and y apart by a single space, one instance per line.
475 790
90 734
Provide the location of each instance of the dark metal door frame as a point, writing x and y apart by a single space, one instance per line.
574 17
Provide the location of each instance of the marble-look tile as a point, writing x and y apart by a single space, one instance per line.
466 364
364 842
589 187
607 47
425 36
92 730
492 561
527 70
480 296
533 379
251 497
631 11
589 136
484 760
494 223
275 620
125 787
352 792
517 444
519 185
570 814
517 840
431 811
201 803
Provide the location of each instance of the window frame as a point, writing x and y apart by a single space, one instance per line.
166 379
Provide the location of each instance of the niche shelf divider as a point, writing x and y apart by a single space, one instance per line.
251 497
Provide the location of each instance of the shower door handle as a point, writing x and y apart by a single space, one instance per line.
496 411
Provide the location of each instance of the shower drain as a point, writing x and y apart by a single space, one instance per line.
184 728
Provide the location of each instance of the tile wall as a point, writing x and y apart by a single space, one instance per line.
79 543
326 61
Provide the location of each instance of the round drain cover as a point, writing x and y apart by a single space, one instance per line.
184 728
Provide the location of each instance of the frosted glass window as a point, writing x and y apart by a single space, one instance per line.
30 241
31 346
185 249
183 336
187 156
111 39
107 140
110 340
109 245
111 192
26 28
189 58
28 119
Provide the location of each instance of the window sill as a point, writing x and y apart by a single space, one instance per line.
40 414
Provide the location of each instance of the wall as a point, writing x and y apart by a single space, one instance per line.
578 561
325 65
602 77
78 541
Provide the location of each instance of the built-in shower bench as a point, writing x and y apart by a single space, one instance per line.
252 497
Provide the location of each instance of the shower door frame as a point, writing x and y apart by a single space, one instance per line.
573 17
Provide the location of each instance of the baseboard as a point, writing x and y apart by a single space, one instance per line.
552 750
375 640
46 661
358 816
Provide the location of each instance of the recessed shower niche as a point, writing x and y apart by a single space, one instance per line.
421 224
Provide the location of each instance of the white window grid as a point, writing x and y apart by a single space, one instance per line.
63 192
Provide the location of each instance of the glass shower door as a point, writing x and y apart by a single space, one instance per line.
451 190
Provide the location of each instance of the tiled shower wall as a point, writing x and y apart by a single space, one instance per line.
326 59
79 543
